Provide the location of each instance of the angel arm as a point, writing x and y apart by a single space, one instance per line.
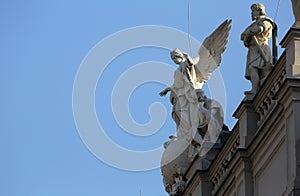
180 83
189 59
165 91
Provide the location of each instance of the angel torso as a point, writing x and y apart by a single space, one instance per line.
184 79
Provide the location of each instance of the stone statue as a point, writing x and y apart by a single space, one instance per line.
197 118
255 38
189 78
296 9
183 96
212 117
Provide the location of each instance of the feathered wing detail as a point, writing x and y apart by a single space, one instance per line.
210 52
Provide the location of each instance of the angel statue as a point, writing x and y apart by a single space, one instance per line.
192 111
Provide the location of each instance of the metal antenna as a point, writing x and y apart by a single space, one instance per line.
189 28
276 13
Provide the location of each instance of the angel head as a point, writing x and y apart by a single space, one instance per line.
177 56
257 10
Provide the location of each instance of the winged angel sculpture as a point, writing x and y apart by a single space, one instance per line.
196 116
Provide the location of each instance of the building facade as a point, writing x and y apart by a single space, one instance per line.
261 156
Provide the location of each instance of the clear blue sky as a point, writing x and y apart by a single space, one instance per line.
42 46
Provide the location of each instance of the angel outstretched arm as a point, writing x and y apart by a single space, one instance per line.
165 91
178 83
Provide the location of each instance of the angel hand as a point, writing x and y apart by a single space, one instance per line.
164 92
185 55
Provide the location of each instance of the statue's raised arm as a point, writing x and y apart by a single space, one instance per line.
210 53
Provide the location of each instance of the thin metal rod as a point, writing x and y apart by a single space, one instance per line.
276 13
189 28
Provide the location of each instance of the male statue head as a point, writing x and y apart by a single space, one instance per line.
257 10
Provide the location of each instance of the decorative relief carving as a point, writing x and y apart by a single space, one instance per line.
218 178
268 103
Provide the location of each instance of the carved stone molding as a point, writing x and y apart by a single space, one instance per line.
268 103
219 173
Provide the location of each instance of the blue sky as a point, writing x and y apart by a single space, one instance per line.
43 44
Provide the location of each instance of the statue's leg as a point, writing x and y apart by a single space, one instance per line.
254 76
264 73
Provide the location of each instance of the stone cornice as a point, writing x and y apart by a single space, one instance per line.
219 168
293 33
289 84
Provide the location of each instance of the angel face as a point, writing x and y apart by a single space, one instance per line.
177 59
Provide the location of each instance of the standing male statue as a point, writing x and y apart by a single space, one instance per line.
255 38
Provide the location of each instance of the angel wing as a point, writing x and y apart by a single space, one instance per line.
210 52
